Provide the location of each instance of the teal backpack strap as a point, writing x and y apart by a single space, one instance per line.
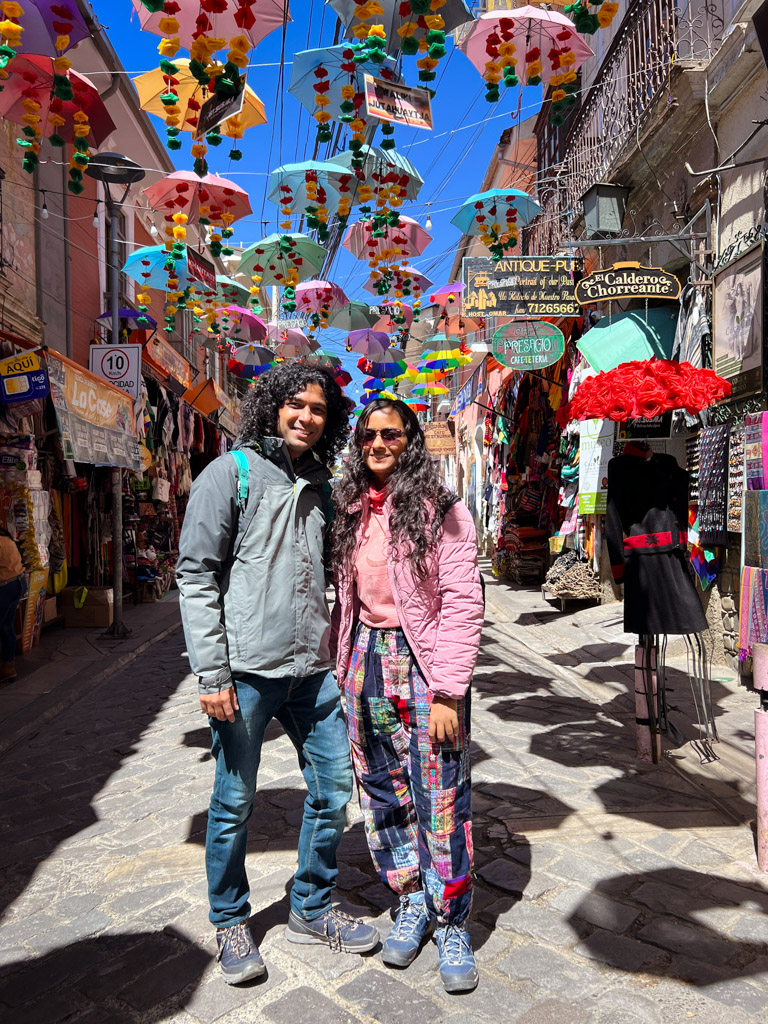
242 478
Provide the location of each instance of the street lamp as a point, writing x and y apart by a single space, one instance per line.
604 207
115 169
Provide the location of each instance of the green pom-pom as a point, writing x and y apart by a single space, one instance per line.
585 22
173 144
427 76
235 154
347 107
81 145
168 67
29 163
153 6
171 131
169 99
213 138
492 92
534 80
410 46
436 51
198 72
75 187
388 144
82 159
435 35
75 174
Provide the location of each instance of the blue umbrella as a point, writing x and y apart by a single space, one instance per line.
331 58
492 203
130 315
329 175
147 266
376 161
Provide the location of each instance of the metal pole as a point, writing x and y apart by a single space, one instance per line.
760 682
118 628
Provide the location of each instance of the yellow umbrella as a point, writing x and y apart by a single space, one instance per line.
154 84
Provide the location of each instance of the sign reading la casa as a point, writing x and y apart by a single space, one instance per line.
627 281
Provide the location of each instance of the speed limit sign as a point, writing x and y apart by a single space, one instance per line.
120 365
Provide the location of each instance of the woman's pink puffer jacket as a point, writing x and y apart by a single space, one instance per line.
441 615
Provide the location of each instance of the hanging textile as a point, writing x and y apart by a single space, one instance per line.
753 610
756 528
756 451
705 561
713 485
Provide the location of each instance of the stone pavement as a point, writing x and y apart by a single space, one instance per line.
608 891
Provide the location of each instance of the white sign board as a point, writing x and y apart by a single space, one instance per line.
119 364
596 451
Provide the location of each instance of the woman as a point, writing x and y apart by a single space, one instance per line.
407 624
11 592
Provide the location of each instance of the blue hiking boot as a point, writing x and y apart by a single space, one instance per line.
458 970
411 926
238 958
340 931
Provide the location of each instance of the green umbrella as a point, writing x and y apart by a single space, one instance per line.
376 161
353 317
231 291
277 253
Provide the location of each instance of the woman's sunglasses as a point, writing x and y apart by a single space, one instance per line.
389 435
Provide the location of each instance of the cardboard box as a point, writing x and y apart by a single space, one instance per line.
50 610
96 610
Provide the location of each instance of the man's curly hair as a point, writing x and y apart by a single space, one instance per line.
271 391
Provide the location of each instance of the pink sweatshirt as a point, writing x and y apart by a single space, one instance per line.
377 603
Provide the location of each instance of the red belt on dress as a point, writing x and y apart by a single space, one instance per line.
655 540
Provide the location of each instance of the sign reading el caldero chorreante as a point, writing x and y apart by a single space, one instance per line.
627 281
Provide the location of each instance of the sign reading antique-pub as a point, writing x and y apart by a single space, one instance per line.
627 281
524 286
528 344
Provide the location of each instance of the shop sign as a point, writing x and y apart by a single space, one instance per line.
528 344
168 359
439 439
645 427
119 364
22 379
218 109
402 104
525 286
627 281
229 417
95 419
202 269
737 323
595 452
34 610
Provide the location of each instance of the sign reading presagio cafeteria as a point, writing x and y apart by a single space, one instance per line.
521 286
528 344
627 281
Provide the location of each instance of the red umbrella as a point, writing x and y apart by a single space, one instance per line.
211 198
645 388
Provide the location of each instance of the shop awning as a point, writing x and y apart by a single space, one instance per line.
95 419
629 336
167 365
203 397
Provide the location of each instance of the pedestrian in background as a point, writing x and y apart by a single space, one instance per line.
252 579
12 586
407 625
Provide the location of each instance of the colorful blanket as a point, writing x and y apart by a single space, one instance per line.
753 610
756 451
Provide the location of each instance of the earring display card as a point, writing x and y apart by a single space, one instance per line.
736 450
713 484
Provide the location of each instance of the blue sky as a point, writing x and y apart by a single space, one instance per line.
452 159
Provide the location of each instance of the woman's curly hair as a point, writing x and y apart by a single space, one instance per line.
273 389
420 500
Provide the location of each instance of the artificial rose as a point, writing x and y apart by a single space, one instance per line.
649 400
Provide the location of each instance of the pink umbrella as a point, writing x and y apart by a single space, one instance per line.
253 19
370 343
537 45
241 325
210 198
448 297
387 323
406 280
295 349
408 239
319 296
286 335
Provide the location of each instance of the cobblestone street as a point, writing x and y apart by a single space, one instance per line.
608 891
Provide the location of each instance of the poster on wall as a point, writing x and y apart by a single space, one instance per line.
596 451
738 323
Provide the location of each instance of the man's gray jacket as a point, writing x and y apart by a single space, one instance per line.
254 602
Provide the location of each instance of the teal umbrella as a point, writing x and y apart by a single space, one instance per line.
377 162
287 184
493 205
340 70
396 15
274 255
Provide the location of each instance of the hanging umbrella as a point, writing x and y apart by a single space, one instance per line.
401 20
371 396
272 257
323 358
431 389
529 45
147 266
425 376
445 359
32 78
375 383
324 72
154 84
296 349
405 280
496 216
355 316
243 326
287 185
370 343
292 335
381 169
366 242
393 364
251 360
208 199
229 291
343 378
319 297
645 388
224 20
130 316
47 23
387 321
416 404
448 296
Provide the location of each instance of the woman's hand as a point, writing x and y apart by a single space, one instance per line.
443 720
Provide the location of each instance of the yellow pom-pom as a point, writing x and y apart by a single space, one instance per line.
62 43
168 26
169 47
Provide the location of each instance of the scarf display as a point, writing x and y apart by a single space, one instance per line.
753 610
713 485
756 528
756 451
705 561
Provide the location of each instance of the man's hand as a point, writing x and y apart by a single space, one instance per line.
443 720
221 705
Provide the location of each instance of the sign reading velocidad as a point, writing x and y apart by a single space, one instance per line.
627 281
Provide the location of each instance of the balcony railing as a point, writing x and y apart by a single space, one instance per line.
634 76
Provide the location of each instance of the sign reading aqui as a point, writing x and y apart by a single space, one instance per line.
627 281
22 379
528 344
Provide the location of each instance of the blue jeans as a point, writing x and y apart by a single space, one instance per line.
10 595
309 710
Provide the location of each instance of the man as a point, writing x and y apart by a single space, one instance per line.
252 583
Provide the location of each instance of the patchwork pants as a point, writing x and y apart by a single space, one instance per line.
414 794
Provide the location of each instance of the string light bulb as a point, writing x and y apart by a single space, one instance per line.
428 223
96 215
44 210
